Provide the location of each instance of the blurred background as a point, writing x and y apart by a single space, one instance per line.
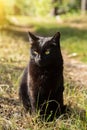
12 11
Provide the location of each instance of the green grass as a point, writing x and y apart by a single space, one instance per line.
14 51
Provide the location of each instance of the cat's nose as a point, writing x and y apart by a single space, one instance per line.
38 59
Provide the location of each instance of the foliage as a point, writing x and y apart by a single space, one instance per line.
7 5
74 6
22 6
2 13
43 7
36 7
5 8
29 7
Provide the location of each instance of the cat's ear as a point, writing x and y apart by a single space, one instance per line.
32 37
56 38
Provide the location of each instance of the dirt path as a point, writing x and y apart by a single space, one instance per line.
75 71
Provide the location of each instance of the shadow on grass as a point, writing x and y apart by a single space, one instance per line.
48 30
65 31
15 34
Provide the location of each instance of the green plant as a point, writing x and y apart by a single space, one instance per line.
29 7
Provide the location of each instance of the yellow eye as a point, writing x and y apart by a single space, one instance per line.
35 52
47 52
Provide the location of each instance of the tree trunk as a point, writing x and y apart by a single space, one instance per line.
84 6
55 7
55 4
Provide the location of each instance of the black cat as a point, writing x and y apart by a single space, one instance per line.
42 83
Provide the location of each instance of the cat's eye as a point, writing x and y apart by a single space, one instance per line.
47 52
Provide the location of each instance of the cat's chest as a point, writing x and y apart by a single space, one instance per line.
45 79
47 82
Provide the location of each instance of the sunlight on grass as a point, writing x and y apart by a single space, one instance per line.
29 21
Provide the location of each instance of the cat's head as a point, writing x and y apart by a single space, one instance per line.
45 51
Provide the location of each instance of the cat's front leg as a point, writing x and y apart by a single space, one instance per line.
24 97
32 100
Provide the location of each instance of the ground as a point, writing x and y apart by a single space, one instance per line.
75 70
13 59
12 114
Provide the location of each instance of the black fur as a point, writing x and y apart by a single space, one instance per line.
42 83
